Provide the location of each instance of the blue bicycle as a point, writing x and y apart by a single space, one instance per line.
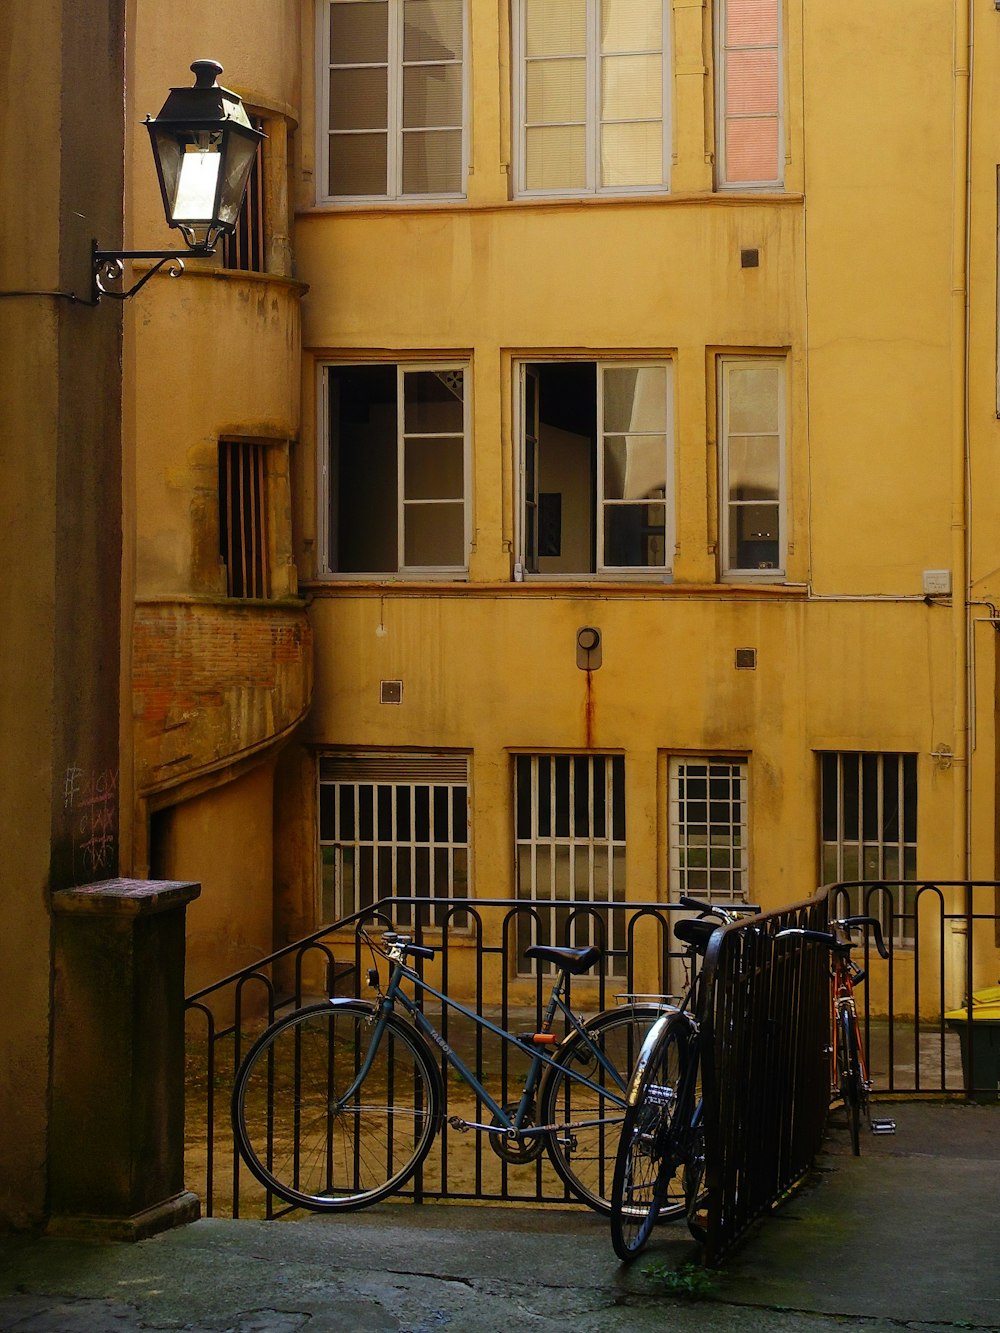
337 1104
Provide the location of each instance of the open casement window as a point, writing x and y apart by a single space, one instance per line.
869 832
570 847
394 825
596 450
750 147
392 98
593 95
395 472
708 828
751 463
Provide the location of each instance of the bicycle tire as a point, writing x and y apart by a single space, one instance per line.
695 1193
851 1082
647 1184
312 1152
584 1157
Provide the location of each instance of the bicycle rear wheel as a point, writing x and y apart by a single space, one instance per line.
314 1139
647 1182
852 1089
583 1152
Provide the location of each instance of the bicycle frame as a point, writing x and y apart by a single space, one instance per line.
512 1126
843 974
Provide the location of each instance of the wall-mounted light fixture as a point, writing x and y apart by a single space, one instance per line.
204 148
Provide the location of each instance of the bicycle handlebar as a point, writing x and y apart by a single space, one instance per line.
847 923
715 909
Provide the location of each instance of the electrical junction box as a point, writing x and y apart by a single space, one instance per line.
937 582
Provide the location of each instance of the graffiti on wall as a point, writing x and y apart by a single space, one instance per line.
90 797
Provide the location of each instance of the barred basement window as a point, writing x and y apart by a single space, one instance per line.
243 525
869 832
245 249
570 845
393 825
708 829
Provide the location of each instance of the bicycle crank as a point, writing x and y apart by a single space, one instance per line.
516 1149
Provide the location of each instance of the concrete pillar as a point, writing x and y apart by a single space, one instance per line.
116 1158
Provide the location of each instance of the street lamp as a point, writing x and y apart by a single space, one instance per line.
204 148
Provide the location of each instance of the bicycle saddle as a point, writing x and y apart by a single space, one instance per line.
573 960
696 932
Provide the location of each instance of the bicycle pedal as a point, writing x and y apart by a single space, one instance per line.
883 1126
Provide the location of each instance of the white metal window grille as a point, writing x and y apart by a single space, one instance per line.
390 825
707 828
593 95
869 830
394 478
596 468
570 847
243 525
750 149
752 466
392 98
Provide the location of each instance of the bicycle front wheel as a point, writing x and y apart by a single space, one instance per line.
314 1133
852 1089
588 1119
648 1182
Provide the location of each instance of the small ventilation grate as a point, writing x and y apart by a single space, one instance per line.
746 659
391 692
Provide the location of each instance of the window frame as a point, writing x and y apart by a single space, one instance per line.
594 123
677 882
722 183
394 130
523 368
729 572
325 480
395 772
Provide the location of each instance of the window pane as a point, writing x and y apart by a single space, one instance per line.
432 162
751 22
632 155
432 96
556 91
753 536
631 25
752 150
754 398
432 29
359 32
358 99
434 535
631 88
754 468
556 158
434 470
634 536
635 467
433 401
555 27
751 82
357 164
363 468
635 398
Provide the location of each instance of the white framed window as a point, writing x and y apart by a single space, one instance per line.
707 828
394 469
391 99
592 95
569 845
596 468
749 123
868 818
752 521
393 824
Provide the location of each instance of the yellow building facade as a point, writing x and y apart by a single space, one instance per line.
671 322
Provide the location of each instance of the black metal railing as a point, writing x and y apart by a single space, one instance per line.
765 1010
764 1016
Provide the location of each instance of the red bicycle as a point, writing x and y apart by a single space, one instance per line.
850 1080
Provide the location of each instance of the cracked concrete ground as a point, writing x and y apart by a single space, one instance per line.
904 1237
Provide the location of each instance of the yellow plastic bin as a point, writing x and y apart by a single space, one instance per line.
978 1028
